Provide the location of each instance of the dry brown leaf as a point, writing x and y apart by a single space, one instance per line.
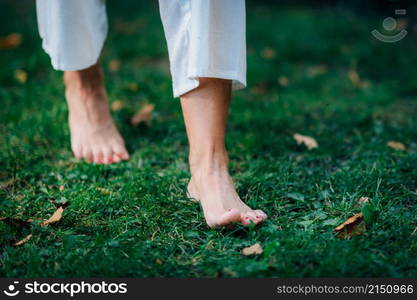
283 81
259 88
354 225
354 77
7 183
117 105
268 53
144 115
22 241
314 71
114 65
308 141
362 200
56 216
11 41
252 250
396 145
21 76
159 262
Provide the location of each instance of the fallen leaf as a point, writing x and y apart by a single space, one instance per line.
159 262
308 141
354 77
259 88
268 53
21 76
104 191
355 225
114 65
21 242
283 81
314 71
252 250
56 216
144 115
396 145
11 41
117 105
133 86
362 200
61 188
5 184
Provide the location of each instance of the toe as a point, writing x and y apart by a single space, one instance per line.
229 217
244 219
88 155
107 156
248 217
78 152
121 151
98 157
116 158
253 217
259 213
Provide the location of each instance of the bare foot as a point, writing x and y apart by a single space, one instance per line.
221 204
94 136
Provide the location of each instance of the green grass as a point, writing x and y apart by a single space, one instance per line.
133 218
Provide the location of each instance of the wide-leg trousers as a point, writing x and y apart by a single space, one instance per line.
205 38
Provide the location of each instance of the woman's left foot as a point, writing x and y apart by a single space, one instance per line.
221 204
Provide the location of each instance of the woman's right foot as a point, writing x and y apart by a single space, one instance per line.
94 135
221 204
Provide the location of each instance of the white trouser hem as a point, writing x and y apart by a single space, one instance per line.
193 81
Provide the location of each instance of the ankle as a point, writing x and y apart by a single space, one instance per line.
89 79
210 161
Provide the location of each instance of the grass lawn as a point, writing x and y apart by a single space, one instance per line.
315 72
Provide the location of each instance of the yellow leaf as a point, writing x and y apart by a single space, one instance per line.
396 145
316 70
11 41
144 115
114 65
117 105
133 87
354 77
21 76
57 215
104 191
283 81
252 250
268 53
308 141
21 242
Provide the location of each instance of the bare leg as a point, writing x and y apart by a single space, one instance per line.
205 112
94 136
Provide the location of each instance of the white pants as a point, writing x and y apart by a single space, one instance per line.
206 38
